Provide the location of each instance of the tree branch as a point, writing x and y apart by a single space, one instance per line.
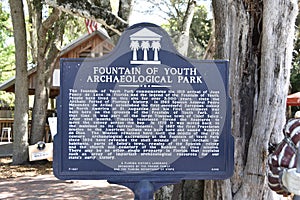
91 11
44 28
48 23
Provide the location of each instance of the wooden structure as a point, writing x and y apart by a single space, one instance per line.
91 45
293 99
4 124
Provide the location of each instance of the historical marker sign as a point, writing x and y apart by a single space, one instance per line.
143 112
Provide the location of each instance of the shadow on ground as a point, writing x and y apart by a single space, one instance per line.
48 187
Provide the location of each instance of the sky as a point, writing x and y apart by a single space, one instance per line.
5 4
139 13
141 6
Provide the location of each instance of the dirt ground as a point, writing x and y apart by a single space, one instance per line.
36 181
7 170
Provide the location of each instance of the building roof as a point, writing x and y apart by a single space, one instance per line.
102 33
8 85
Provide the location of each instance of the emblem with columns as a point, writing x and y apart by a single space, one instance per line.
145 40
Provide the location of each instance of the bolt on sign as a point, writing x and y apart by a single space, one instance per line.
143 115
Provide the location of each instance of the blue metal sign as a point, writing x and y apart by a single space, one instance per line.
143 112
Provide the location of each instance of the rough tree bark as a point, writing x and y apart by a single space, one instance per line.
20 145
46 55
257 37
42 88
34 21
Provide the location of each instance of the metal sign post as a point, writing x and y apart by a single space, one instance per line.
143 116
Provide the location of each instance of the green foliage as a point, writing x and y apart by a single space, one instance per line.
295 71
5 29
6 46
201 27
6 62
74 27
200 30
6 56
6 100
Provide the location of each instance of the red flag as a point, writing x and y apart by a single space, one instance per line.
91 25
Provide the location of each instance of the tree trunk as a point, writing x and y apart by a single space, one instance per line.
41 96
20 144
40 105
184 37
35 21
186 189
46 56
257 37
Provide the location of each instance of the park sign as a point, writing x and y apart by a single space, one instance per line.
143 113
